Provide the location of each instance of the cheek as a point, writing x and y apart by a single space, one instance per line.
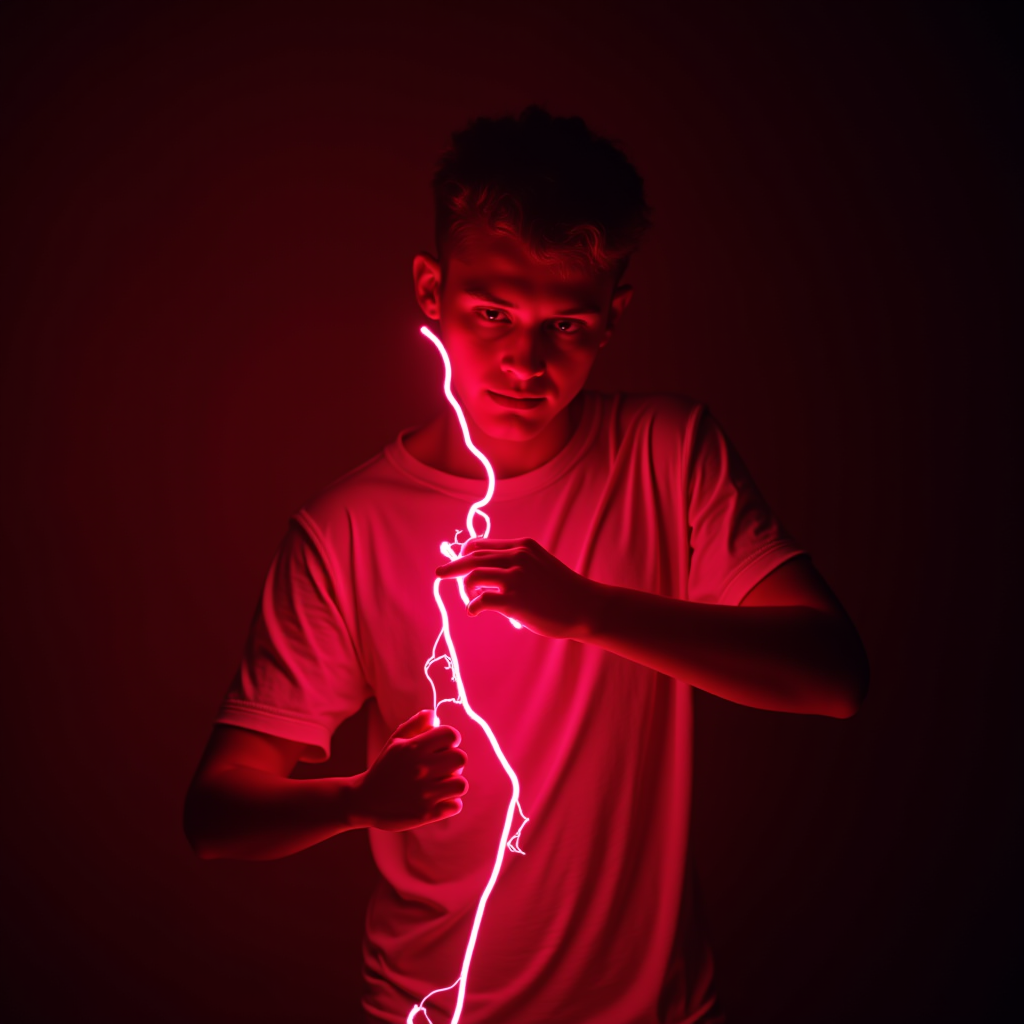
469 369
572 366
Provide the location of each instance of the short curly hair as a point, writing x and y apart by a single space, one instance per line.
570 195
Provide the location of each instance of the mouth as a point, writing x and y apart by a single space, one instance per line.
514 401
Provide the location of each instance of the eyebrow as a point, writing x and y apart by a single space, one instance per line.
483 293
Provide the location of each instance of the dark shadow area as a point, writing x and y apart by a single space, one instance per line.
208 217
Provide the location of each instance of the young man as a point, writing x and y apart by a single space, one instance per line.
632 546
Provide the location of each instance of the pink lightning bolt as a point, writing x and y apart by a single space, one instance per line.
452 550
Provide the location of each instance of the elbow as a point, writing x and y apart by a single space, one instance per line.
202 849
844 663
853 684
847 705
201 845
195 839
193 822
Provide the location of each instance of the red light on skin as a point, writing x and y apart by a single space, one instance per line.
515 401
452 550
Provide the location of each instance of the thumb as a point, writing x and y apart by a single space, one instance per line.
422 721
489 600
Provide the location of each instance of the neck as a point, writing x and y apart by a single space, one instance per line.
439 444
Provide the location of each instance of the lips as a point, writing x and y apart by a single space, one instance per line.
515 401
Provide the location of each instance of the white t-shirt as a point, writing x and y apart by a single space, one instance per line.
596 922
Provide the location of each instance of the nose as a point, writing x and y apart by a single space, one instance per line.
523 359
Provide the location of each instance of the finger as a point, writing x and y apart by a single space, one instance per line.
448 789
446 809
421 722
451 762
495 543
438 740
488 601
489 579
482 559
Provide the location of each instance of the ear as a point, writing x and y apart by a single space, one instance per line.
426 277
621 298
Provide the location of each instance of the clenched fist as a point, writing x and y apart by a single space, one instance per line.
416 779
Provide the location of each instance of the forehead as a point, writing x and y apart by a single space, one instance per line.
500 264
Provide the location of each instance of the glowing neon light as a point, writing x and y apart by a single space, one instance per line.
452 550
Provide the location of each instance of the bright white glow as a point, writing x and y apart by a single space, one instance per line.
451 550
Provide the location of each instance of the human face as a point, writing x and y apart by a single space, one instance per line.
522 335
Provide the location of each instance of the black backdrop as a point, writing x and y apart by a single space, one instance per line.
208 218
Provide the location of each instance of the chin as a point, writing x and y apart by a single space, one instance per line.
511 426
515 431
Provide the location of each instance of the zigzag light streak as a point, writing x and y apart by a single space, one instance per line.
452 550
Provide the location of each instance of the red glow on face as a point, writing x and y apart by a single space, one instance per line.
444 653
523 335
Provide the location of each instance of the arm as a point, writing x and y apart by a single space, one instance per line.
788 647
243 805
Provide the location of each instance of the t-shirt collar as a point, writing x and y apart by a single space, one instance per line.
511 487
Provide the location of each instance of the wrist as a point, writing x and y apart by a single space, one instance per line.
594 610
350 803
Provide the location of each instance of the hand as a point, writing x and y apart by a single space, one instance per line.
523 581
416 779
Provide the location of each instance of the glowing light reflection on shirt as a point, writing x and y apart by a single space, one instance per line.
443 652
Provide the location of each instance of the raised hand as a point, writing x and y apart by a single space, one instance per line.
416 778
524 581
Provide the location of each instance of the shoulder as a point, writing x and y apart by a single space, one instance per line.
349 497
666 410
662 422
349 486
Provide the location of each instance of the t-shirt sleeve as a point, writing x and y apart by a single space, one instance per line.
735 540
300 675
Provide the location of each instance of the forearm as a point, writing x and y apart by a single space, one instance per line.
247 814
789 658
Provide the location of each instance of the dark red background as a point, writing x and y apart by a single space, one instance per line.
208 218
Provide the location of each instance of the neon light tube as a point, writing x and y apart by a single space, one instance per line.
452 550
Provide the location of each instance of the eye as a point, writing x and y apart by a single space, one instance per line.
493 315
567 326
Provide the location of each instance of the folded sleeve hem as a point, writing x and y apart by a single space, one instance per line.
754 568
261 718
